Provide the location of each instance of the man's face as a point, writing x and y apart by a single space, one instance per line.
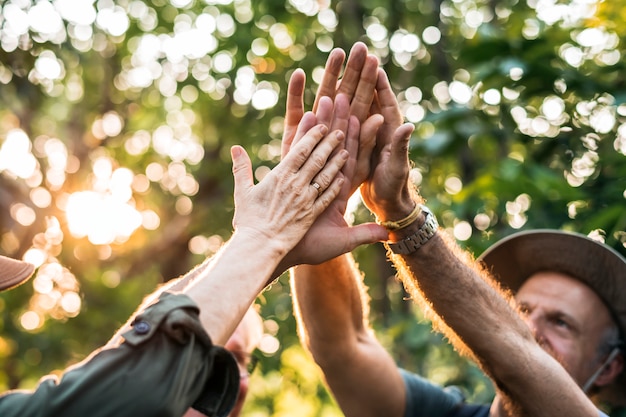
567 318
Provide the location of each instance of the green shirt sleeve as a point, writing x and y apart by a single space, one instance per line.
165 364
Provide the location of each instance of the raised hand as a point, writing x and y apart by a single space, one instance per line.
387 191
355 113
281 208
358 81
358 85
330 235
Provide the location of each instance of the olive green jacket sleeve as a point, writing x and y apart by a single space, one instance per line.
164 364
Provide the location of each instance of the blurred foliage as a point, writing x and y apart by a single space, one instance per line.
117 117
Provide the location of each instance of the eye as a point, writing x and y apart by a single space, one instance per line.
523 309
560 322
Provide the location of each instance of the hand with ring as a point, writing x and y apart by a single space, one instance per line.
317 187
279 209
330 235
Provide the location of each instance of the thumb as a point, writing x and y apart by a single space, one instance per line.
400 145
242 171
366 233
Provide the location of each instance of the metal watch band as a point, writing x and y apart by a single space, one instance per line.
418 239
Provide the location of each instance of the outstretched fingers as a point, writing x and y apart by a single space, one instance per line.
295 94
325 162
340 113
242 168
352 145
308 122
366 145
366 233
325 111
316 160
363 95
324 117
294 108
332 72
242 172
358 79
352 74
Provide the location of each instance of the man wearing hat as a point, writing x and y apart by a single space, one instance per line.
549 350
560 347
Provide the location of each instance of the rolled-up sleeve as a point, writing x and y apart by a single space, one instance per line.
164 364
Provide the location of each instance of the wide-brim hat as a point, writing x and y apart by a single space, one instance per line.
514 259
13 272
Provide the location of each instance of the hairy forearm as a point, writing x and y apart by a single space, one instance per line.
471 310
328 306
331 305
450 285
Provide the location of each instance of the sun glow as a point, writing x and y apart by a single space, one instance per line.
101 217
16 156
106 214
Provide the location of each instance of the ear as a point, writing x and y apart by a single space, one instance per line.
611 371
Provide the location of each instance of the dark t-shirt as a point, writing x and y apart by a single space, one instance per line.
470 410
425 399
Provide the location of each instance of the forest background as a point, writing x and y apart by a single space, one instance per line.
116 120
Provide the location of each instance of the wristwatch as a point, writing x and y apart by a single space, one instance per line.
418 239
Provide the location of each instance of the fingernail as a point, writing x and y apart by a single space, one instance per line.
339 134
323 129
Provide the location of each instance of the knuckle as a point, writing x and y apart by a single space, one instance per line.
323 179
303 153
318 161
323 200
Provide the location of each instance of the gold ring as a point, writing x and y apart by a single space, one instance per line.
317 187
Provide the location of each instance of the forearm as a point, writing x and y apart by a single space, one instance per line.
173 285
476 316
328 307
450 285
226 287
331 307
223 286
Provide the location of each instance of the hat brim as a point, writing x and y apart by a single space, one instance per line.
514 259
14 272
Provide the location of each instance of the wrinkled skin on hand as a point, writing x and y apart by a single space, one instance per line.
330 235
281 208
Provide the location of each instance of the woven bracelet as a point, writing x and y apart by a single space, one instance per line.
402 223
